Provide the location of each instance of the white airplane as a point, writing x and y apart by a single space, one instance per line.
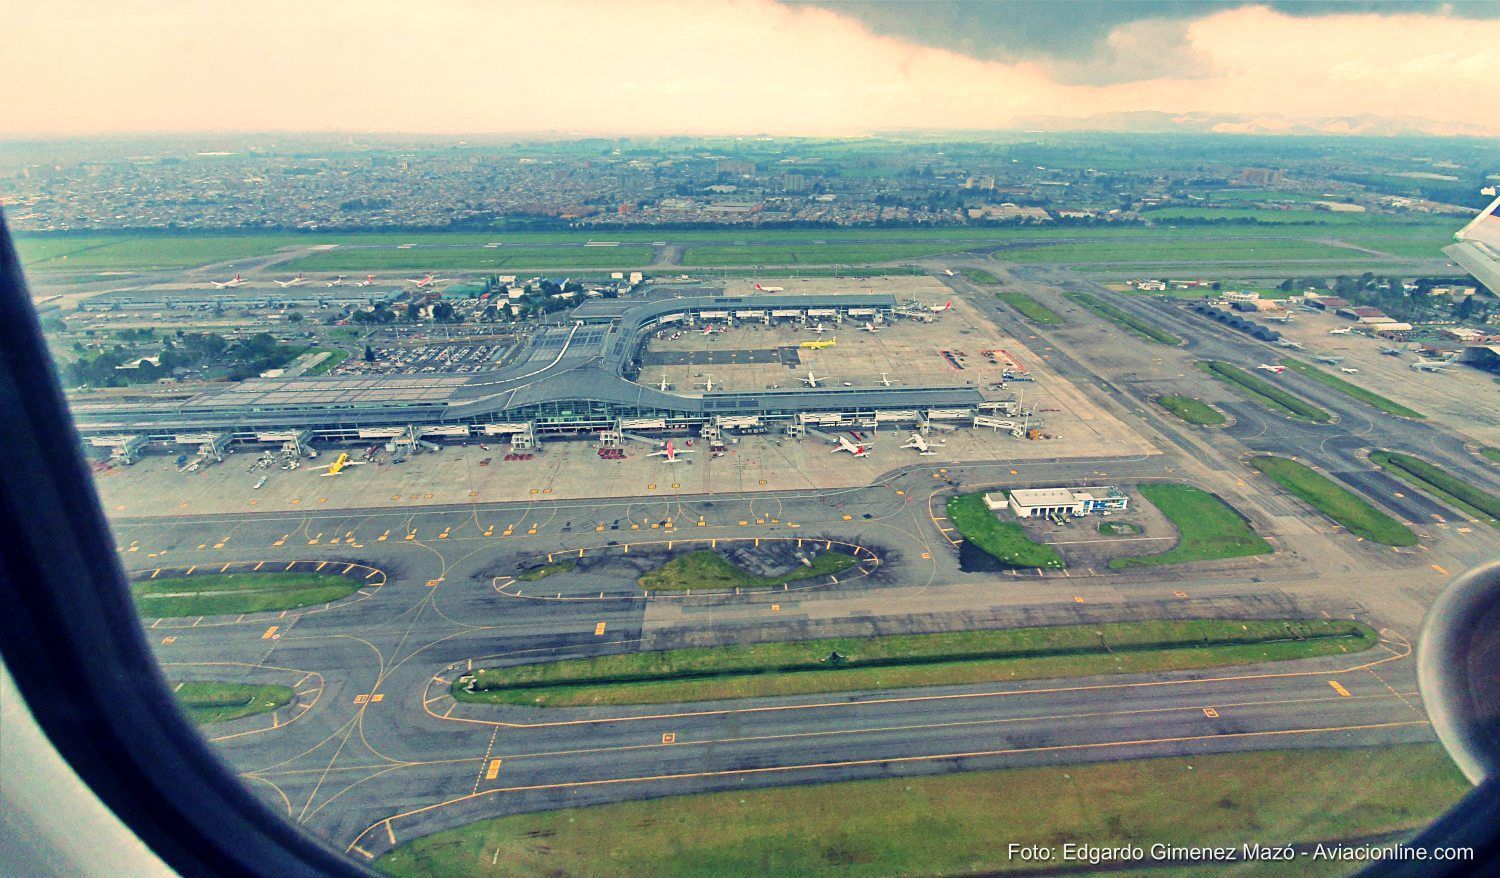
342 463
669 452
948 271
1432 366
1342 330
1287 343
871 327
819 329
336 282
1269 368
938 309
884 381
922 446
711 329
708 386
227 284
860 450
663 388
811 380
425 282
297 281
769 289
369 281
1351 371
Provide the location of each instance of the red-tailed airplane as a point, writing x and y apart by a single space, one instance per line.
297 281
1269 368
224 284
425 282
938 309
670 452
858 450
769 289
369 281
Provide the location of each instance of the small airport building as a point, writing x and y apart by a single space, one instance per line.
1045 502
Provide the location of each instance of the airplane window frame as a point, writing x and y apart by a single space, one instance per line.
66 606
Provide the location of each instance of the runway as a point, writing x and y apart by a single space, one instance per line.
374 751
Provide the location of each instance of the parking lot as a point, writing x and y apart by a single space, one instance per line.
455 358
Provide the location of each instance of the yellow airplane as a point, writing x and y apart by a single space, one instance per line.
342 463
819 344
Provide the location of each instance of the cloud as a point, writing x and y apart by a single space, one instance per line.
748 66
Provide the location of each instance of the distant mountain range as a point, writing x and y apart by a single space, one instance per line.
1148 121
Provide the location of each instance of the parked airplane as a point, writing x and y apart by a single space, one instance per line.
1391 352
708 386
769 289
369 281
711 329
884 381
227 284
819 328
1280 317
858 450
819 344
1342 330
1269 368
812 380
938 309
1348 369
669 452
297 281
871 327
336 282
425 282
922 446
948 271
1288 343
1332 361
342 463
1433 365
664 386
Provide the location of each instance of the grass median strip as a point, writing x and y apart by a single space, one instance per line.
543 571
707 570
1334 501
980 276
1353 391
1006 541
1467 497
903 661
1266 394
224 594
960 823
1034 310
1491 454
1210 529
1115 315
210 701
1194 411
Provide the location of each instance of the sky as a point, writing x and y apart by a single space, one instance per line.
800 67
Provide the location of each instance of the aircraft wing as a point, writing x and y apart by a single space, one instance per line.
1477 247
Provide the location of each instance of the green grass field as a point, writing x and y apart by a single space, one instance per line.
906 661
1461 493
1006 541
475 258
707 570
809 254
1120 318
224 594
1171 249
960 823
1339 504
208 701
979 276
1194 411
567 565
1268 395
335 357
1491 454
1034 310
1209 528
1353 391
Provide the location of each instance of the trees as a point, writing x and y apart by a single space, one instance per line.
369 354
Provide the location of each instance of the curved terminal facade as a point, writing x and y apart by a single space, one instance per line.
570 379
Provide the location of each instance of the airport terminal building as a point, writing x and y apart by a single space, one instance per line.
571 379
